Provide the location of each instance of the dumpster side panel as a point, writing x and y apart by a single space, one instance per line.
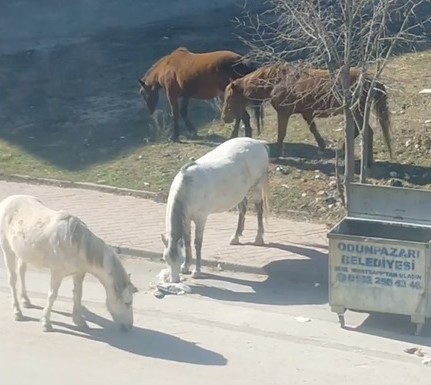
378 275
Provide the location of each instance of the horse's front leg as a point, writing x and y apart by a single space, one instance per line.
282 120
77 316
199 234
173 102
183 111
242 209
247 126
235 131
22 269
56 279
185 268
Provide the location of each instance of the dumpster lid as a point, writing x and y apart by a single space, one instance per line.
399 204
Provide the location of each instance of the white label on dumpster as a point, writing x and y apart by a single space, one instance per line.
372 265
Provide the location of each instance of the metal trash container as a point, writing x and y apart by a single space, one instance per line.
379 254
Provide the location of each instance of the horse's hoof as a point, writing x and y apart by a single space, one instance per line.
193 135
185 270
197 274
234 240
81 325
174 139
26 303
259 241
18 316
47 327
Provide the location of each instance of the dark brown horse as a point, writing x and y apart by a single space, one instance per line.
187 75
308 92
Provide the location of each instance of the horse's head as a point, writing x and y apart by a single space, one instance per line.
120 305
234 102
150 94
174 256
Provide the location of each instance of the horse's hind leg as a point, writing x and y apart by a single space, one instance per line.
183 112
258 203
242 209
10 261
199 234
308 117
77 316
22 268
52 296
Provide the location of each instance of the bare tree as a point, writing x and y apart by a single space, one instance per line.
339 35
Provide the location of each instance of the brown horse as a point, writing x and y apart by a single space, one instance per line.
308 92
187 75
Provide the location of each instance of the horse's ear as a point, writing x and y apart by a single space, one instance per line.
164 240
134 289
142 83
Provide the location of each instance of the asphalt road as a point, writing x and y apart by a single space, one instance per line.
223 332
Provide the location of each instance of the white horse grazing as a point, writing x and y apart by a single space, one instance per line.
32 233
216 182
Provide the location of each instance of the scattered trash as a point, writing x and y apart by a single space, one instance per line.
393 174
173 288
159 294
282 170
317 284
165 287
426 361
163 275
302 319
219 268
411 350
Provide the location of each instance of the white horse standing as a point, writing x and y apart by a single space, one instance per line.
32 233
216 182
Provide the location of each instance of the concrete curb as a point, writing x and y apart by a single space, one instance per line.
213 263
82 185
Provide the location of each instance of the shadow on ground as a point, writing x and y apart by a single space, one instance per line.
288 282
392 326
309 158
143 342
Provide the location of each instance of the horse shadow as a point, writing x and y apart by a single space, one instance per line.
142 342
300 150
289 281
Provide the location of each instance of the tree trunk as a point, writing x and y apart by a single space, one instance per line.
349 156
365 134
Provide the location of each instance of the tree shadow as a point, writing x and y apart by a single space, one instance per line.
143 342
289 281
309 158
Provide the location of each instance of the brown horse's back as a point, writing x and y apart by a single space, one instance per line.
199 75
259 84
310 90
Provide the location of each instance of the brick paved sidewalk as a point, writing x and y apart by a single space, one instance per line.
134 226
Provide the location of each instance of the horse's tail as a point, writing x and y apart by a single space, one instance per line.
381 109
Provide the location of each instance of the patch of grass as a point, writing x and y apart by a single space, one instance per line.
302 183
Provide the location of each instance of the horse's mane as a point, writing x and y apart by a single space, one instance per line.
94 249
